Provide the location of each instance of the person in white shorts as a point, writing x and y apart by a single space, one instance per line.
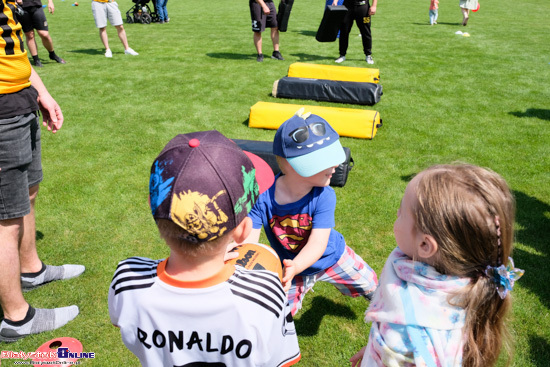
108 9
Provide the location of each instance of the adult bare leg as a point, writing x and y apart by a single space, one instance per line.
104 37
31 43
28 255
122 36
275 38
46 40
13 304
34 272
258 42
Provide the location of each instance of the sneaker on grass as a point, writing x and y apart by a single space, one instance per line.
260 58
340 60
277 55
108 53
130 51
37 320
58 59
369 59
49 273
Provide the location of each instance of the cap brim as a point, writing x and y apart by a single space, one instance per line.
264 173
312 163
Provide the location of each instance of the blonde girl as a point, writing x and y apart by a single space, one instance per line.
444 292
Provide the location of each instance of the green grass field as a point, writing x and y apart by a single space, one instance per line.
483 99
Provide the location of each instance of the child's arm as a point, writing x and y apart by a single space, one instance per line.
253 237
310 253
357 357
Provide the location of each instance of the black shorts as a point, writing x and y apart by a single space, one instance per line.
33 18
261 21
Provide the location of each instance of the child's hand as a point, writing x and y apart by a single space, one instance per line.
289 272
231 251
358 357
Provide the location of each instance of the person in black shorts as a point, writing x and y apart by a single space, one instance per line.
34 18
361 12
264 14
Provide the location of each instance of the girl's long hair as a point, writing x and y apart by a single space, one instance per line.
462 206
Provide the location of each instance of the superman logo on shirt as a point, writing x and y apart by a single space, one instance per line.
292 230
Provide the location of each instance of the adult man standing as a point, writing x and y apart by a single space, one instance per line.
264 15
104 10
22 94
34 18
361 12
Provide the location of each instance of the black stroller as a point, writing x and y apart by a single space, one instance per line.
141 12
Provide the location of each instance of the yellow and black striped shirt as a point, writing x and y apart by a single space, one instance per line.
15 68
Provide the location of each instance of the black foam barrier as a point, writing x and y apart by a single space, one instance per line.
283 14
333 17
362 93
264 150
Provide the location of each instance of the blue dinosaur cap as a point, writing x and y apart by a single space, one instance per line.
309 144
206 184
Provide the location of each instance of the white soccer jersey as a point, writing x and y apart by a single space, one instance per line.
239 317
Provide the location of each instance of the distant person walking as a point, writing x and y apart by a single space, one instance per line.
466 6
104 10
33 17
434 5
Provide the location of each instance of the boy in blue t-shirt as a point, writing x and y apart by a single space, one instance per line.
297 213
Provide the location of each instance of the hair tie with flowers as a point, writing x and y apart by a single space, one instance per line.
504 276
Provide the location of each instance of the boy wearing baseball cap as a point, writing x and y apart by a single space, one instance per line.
192 308
297 213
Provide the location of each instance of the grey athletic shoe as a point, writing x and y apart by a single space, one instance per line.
340 60
38 320
49 273
369 59
260 58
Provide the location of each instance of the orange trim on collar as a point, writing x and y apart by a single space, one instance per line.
218 278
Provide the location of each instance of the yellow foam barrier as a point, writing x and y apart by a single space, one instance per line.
350 122
333 72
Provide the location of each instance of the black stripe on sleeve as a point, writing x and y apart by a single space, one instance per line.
259 290
136 286
255 300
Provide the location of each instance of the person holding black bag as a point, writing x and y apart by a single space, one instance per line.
360 11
